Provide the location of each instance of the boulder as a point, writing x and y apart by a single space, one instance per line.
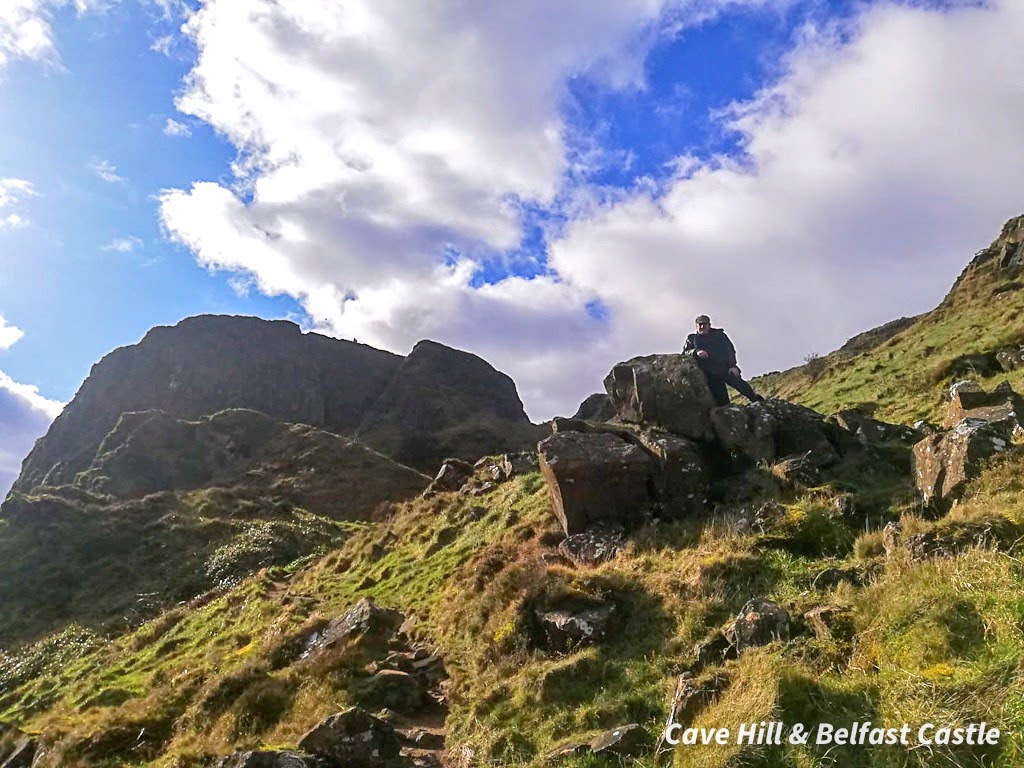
624 741
759 622
364 620
268 759
713 650
452 475
1011 358
965 385
944 463
667 391
516 464
393 689
680 480
597 407
594 478
745 431
353 738
573 622
869 430
1002 406
797 471
800 430
598 544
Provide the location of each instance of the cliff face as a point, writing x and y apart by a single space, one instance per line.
209 363
206 364
445 402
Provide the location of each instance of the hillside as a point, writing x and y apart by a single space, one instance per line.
901 371
717 565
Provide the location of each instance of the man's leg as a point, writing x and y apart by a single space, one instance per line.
742 387
717 386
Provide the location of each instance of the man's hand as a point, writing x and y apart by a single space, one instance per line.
702 354
734 371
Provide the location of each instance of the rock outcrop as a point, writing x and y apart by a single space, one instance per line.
983 424
443 402
594 477
436 402
668 391
668 443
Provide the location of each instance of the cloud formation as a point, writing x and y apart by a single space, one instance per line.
123 244
26 30
387 159
13 192
174 128
9 334
106 171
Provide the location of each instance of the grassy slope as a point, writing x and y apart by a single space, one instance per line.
935 640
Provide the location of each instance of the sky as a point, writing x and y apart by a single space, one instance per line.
555 185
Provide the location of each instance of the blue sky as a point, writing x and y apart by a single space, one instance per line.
554 191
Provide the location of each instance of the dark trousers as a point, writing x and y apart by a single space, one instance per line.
717 382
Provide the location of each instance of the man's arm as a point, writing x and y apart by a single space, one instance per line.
689 348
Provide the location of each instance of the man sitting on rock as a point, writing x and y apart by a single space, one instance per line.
716 356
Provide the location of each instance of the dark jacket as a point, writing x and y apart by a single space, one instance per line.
721 353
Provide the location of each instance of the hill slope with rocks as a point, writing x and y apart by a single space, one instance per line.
654 558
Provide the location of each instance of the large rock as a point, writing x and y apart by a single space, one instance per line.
365 619
353 738
594 477
452 475
765 431
944 463
680 482
444 402
573 622
745 431
759 622
597 407
393 689
1002 405
869 430
668 391
598 544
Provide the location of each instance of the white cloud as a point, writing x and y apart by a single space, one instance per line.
106 171
26 30
872 171
174 128
13 192
387 154
25 415
123 244
9 334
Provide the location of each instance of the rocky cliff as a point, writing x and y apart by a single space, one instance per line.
436 401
